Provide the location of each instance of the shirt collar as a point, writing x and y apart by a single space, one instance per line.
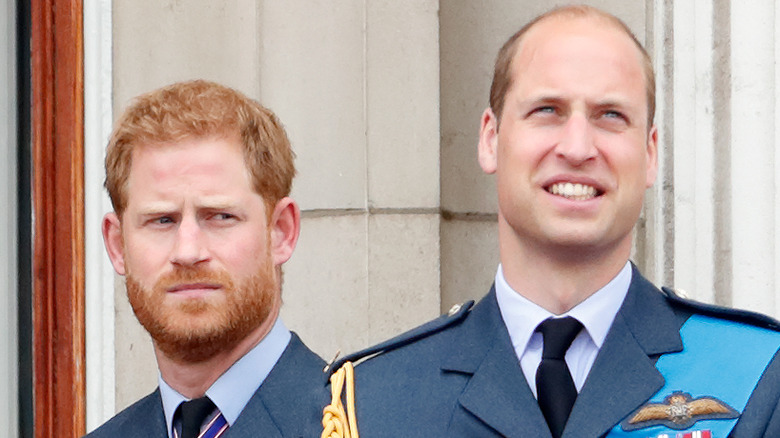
596 313
233 389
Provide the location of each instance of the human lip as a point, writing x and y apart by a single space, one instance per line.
574 189
190 288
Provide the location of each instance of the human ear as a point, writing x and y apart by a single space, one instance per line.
652 156
112 239
488 142
285 226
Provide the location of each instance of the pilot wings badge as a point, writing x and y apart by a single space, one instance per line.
678 411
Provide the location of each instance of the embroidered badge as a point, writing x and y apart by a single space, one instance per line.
678 411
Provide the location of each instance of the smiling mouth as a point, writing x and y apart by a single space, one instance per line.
574 191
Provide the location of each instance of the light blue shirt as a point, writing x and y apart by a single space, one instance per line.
521 317
233 389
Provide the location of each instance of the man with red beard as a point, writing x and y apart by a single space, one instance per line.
199 177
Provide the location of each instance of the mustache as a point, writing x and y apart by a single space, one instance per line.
189 275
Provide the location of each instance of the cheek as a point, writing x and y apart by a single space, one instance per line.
517 167
522 151
628 155
633 167
145 260
243 253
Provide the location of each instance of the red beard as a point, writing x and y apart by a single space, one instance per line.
196 329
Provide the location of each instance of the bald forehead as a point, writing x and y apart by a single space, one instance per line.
583 22
553 29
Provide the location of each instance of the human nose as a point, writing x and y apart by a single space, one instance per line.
577 144
190 248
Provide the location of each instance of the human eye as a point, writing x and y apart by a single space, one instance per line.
544 113
221 218
544 110
613 114
613 119
160 221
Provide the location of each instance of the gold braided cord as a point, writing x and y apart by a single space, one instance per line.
336 423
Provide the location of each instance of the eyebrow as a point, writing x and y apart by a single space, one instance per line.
155 208
542 98
551 96
165 207
608 102
614 102
217 203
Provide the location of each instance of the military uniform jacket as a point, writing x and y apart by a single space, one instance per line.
287 404
459 376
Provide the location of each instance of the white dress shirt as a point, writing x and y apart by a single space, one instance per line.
233 389
522 316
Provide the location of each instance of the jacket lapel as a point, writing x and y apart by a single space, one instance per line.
146 420
290 400
624 374
496 392
254 421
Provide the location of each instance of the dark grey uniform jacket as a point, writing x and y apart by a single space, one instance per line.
458 376
288 404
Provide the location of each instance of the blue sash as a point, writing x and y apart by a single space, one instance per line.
721 361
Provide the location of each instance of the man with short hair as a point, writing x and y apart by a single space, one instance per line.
572 341
199 177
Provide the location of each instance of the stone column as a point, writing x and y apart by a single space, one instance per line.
713 232
356 84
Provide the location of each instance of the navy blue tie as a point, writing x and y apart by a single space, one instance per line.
193 414
554 386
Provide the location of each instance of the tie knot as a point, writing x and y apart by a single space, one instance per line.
558 334
193 414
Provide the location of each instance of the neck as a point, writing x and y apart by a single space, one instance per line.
561 278
192 379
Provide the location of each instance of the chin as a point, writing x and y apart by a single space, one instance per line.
591 243
194 330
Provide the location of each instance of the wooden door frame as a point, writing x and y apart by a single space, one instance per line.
59 385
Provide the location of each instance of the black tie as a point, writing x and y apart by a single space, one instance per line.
193 414
554 386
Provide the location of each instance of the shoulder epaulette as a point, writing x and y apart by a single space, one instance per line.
743 316
456 314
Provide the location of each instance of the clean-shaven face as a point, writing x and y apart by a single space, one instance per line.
574 153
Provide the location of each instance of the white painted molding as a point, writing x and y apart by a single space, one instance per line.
693 149
753 154
777 155
718 92
657 214
9 373
99 272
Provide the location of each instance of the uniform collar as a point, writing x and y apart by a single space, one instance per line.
233 389
596 313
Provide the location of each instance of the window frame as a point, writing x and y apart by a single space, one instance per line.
58 209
